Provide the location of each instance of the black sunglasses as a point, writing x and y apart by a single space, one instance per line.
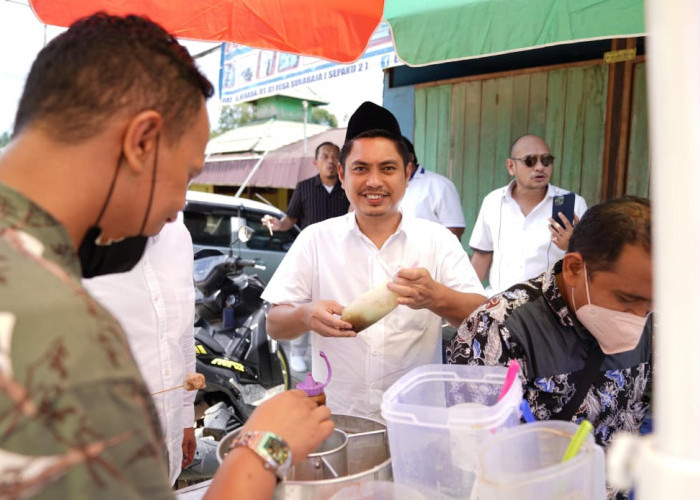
531 160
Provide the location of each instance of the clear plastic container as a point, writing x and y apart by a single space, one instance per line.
377 490
437 416
526 463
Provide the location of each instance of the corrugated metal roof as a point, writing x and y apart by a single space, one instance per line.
281 168
262 136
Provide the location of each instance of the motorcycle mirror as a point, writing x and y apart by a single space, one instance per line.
245 234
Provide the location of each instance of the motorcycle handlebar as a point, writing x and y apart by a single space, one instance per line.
216 277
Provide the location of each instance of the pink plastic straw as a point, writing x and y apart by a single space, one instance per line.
513 369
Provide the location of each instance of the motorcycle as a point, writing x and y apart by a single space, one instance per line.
242 365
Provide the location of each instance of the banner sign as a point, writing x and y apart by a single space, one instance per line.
247 74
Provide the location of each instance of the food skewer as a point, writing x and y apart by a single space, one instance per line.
193 382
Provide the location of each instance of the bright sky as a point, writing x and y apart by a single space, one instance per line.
22 35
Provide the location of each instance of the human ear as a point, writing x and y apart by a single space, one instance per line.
141 140
572 269
510 165
340 173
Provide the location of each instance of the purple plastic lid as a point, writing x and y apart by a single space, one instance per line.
311 386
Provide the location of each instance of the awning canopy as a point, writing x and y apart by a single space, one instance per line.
337 30
424 32
446 30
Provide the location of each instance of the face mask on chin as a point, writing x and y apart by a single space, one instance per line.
118 257
615 331
98 259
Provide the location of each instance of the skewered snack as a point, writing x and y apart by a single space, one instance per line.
193 382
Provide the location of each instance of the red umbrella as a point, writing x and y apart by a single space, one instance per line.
338 30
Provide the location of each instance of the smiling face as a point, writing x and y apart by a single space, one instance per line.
374 177
529 178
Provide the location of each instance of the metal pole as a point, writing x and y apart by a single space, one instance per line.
250 175
305 105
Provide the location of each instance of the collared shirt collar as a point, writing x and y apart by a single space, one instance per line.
355 229
554 298
318 183
508 191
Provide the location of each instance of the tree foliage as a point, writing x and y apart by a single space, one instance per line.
323 117
234 116
4 139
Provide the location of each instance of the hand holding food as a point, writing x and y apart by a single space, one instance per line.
272 223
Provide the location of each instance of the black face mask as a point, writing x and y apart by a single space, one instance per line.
118 257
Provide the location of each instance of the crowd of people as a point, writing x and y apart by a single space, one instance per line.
110 129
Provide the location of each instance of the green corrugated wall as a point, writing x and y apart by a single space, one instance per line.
464 130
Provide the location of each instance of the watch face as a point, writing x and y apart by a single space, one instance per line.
277 449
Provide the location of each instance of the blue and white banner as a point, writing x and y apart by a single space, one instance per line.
247 74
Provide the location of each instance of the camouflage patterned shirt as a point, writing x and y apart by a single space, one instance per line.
76 419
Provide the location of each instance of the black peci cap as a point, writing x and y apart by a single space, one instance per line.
369 116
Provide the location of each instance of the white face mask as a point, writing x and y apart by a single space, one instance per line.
615 331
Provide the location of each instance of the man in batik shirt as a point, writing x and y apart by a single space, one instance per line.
593 303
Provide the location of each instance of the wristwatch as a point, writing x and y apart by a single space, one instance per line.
276 455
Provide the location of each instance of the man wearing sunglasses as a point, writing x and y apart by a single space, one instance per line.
514 237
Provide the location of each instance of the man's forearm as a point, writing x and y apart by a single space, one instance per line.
286 223
456 306
286 321
481 262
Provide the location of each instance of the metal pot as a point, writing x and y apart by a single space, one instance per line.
365 451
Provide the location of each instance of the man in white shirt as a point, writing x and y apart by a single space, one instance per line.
333 262
432 196
515 238
154 303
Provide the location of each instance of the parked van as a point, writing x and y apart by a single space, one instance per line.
213 221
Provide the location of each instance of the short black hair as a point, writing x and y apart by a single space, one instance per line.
327 143
104 65
374 133
409 147
606 228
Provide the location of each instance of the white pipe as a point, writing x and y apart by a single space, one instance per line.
305 105
674 122
667 463
250 175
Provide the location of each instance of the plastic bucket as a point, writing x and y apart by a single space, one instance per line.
526 463
437 416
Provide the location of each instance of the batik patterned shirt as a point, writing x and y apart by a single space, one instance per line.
530 322
76 419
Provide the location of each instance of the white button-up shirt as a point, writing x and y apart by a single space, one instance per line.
522 245
434 197
154 303
334 260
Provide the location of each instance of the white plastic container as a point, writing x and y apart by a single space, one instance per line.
437 416
526 463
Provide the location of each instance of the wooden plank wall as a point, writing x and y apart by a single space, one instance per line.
638 171
464 129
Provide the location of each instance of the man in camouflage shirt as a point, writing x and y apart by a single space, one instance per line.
99 154
547 325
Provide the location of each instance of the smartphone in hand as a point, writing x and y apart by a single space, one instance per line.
563 203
